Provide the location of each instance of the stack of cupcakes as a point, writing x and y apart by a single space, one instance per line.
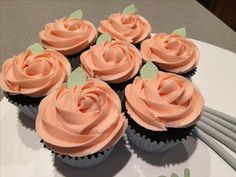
83 114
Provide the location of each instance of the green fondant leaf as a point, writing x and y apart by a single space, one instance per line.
148 71
180 31
131 9
186 172
104 37
77 15
36 48
77 77
174 175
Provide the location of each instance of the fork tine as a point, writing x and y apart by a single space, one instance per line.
220 121
219 127
222 115
217 135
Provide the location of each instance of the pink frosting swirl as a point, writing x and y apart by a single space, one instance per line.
82 120
68 36
34 75
167 101
171 52
127 27
113 62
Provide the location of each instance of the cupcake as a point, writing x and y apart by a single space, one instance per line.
171 53
31 75
161 109
81 124
126 26
69 36
115 62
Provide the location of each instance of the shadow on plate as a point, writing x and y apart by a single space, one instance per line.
112 165
26 132
178 154
26 121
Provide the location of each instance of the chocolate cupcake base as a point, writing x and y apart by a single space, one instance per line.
74 61
28 105
187 75
154 141
146 144
120 90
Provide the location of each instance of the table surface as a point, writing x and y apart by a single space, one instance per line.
21 21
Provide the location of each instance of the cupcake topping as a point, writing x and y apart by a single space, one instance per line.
126 26
148 71
77 15
180 32
168 100
81 120
171 52
114 62
77 77
104 37
131 9
34 75
69 35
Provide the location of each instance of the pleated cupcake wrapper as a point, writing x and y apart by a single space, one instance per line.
30 111
147 145
86 162
190 73
82 162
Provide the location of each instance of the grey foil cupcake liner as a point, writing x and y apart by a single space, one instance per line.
29 109
146 144
86 161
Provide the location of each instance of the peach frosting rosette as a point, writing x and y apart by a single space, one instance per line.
127 27
171 52
34 75
168 101
68 35
81 120
114 62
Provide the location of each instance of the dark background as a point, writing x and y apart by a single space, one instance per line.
223 9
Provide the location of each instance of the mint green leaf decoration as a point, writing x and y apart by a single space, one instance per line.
174 175
77 77
186 172
180 31
104 37
76 15
148 71
131 9
36 48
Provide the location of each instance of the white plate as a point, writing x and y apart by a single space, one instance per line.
23 155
